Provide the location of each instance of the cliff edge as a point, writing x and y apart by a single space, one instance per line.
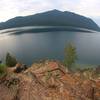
48 80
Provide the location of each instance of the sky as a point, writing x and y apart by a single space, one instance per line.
13 8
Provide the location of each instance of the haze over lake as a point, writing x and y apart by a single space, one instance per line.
49 45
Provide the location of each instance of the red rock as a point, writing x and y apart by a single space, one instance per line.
35 84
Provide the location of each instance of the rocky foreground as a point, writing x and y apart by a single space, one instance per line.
48 80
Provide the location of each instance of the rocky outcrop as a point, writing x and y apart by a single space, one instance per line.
48 80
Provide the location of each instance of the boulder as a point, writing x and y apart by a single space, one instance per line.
20 67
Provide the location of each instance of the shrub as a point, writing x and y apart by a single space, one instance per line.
88 73
10 60
2 69
70 55
48 75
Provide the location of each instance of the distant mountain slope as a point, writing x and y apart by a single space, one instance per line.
52 18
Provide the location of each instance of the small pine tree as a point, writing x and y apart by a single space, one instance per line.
70 55
10 60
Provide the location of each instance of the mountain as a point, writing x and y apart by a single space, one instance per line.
51 18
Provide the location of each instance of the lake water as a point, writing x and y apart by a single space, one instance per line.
50 45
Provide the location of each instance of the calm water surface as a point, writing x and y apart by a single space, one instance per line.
33 46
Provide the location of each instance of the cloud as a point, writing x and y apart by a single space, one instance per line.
89 8
12 8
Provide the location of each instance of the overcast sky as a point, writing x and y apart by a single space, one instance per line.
12 8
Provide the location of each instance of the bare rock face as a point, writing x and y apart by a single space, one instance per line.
48 80
97 90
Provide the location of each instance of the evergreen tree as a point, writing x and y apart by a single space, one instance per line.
70 55
10 60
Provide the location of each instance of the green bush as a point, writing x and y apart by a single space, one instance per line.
10 60
70 55
48 75
2 69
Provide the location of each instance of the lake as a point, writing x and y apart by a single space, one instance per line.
32 46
